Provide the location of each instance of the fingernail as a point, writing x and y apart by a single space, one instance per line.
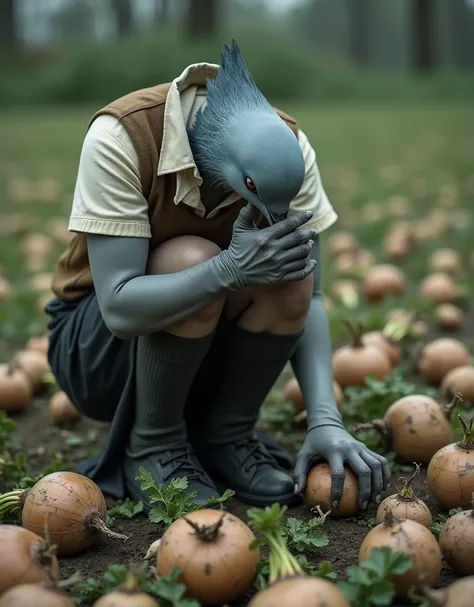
311 243
309 214
377 499
335 504
296 488
364 505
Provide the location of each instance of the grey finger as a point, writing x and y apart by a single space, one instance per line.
300 274
296 238
292 266
338 476
364 474
282 228
300 252
386 472
377 477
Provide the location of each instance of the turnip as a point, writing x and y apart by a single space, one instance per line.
292 394
287 584
460 379
22 556
62 410
445 260
342 242
212 549
38 343
414 427
450 473
16 390
457 541
441 356
35 366
405 504
457 594
318 491
383 280
416 541
448 316
71 505
353 363
439 288
127 594
27 595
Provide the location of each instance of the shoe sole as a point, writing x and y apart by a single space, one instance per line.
264 500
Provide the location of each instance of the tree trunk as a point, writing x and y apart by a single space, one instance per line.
462 34
361 15
8 32
124 16
423 38
202 18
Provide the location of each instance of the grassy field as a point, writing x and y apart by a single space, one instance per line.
381 166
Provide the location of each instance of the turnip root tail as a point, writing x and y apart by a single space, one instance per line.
467 431
379 425
94 522
355 330
207 533
437 598
406 493
448 409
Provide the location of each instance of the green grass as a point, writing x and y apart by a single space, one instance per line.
365 153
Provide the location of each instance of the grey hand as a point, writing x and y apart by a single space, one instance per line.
337 446
278 253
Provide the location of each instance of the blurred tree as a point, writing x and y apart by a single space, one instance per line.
124 16
202 18
462 33
423 17
8 31
162 11
361 16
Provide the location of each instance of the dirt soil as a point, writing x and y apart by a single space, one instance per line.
42 441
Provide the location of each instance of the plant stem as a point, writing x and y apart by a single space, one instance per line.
207 533
448 409
11 501
355 333
467 441
380 426
407 492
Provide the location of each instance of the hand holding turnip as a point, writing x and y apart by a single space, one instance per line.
335 445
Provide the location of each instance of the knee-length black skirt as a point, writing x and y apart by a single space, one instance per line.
96 370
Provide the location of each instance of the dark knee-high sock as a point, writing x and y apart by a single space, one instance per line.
165 369
254 362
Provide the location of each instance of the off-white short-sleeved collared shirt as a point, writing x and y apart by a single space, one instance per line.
108 197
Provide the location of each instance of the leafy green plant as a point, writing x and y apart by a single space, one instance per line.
367 584
7 429
124 510
364 520
167 590
278 418
173 500
305 535
365 403
438 526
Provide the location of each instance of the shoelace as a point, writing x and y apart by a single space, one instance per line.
256 454
184 460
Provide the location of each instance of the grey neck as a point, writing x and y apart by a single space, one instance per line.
212 196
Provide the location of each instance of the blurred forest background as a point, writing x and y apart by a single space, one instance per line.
91 51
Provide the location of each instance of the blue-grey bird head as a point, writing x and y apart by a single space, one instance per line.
241 144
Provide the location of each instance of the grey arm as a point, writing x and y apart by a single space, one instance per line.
312 360
133 303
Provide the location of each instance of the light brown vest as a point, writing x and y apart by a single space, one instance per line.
142 113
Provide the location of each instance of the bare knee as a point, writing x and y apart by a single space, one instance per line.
179 254
292 300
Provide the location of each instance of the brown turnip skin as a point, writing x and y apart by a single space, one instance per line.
457 542
460 379
449 316
34 595
16 562
318 491
411 509
215 571
439 288
121 598
450 476
34 365
417 428
457 594
352 365
296 591
292 393
445 260
16 390
378 339
417 542
383 280
441 356
62 409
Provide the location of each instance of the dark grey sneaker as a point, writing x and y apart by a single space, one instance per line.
167 464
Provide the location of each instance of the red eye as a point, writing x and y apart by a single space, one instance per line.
250 184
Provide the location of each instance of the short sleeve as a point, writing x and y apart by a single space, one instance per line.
312 196
108 197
